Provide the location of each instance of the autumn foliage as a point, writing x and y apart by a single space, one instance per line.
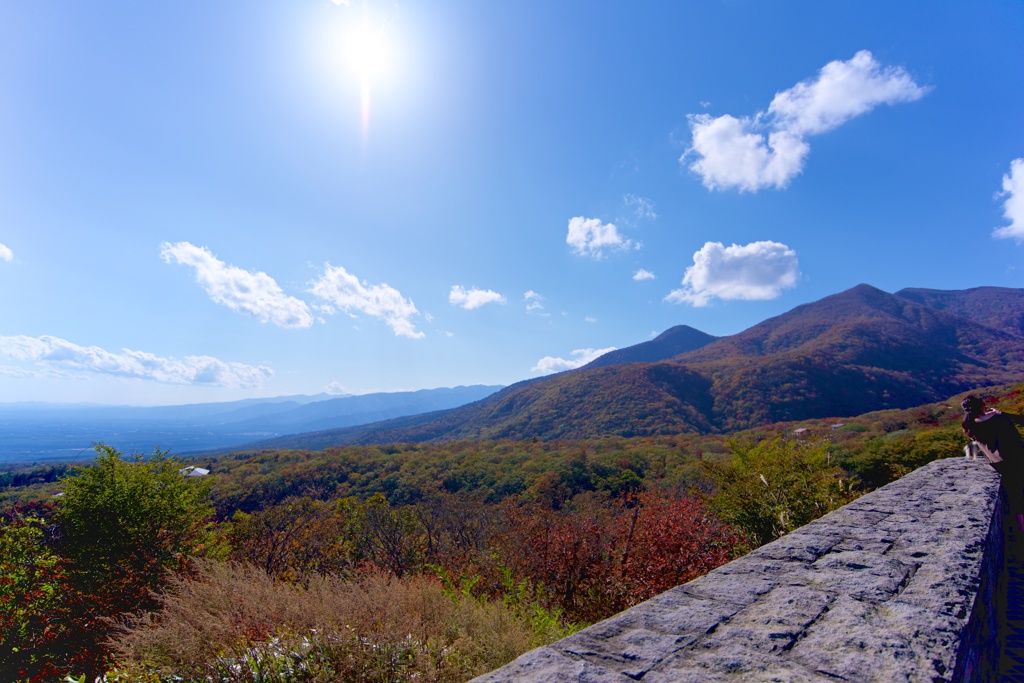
594 559
474 550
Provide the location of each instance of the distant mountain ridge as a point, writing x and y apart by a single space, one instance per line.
847 354
998 307
34 431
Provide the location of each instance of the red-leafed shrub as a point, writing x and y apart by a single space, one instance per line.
598 558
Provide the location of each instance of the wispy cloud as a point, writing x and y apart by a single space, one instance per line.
343 291
15 371
534 302
1013 207
254 293
5 253
580 357
643 274
473 298
759 270
59 353
591 237
640 206
769 149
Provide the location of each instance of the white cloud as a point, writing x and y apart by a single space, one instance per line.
643 274
5 253
534 302
60 353
1013 207
769 149
734 153
342 290
590 319
255 293
473 297
642 207
590 237
842 91
759 270
336 389
549 364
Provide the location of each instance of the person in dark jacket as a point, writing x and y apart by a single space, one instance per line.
1002 446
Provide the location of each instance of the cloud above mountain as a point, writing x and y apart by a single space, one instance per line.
1013 205
770 148
343 291
591 237
755 271
59 353
253 293
580 357
471 298
5 253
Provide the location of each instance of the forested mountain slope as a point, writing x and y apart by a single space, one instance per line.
847 354
998 307
671 342
860 350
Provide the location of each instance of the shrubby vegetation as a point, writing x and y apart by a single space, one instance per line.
122 529
375 627
772 487
405 562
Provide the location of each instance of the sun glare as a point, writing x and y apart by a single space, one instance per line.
368 53
368 56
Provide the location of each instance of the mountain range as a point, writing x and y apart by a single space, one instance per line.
847 354
44 431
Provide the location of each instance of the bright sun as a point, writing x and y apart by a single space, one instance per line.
367 52
368 56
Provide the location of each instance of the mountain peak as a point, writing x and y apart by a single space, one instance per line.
671 342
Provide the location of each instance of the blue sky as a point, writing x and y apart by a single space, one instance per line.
205 201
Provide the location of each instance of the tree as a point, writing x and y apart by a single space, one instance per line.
125 525
293 539
32 585
390 538
772 487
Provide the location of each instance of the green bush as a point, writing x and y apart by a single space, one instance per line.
771 487
126 526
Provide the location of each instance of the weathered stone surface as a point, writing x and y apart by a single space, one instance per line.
885 589
545 664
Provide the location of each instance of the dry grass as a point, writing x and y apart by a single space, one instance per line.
234 623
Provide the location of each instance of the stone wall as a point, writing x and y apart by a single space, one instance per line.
896 586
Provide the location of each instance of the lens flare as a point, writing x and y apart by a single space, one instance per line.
368 55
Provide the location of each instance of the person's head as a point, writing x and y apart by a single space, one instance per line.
972 406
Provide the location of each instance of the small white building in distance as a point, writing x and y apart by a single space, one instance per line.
193 471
